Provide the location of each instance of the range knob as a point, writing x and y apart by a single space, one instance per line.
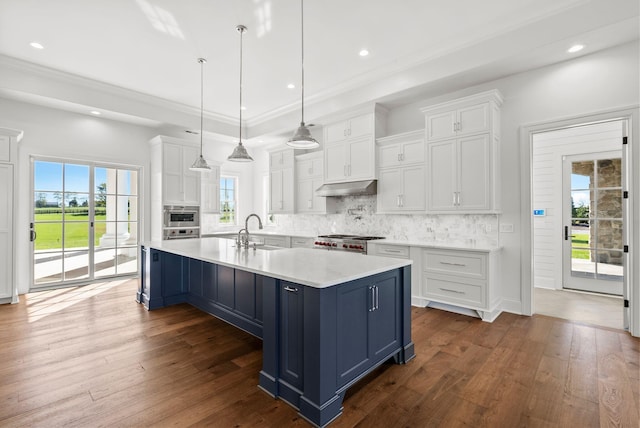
345 246
334 245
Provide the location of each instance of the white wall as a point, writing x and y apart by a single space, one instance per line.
547 164
589 84
59 134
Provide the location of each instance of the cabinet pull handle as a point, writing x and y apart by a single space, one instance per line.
452 291
452 264
454 199
377 297
402 200
290 289
372 307
392 251
310 171
458 198
398 201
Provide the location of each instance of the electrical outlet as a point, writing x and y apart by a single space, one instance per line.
487 228
506 228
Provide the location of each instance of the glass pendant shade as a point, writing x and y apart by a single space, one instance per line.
240 153
302 139
200 164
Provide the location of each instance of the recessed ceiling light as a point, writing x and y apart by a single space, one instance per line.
575 48
95 112
364 52
291 86
36 45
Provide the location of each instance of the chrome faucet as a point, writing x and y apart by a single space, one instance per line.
243 241
246 222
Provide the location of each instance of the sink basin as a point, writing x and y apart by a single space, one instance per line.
264 247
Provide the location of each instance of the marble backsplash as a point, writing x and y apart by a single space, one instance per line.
357 215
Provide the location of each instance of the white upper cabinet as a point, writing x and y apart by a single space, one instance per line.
351 128
463 149
309 170
349 153
210 186
281 182
181 186
401 173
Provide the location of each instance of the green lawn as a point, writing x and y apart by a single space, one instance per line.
578 242
49 230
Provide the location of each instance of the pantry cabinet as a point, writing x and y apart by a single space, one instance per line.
401 173
9 139
349 153
281 182
181 186
462 155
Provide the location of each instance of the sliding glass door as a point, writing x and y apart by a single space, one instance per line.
85 222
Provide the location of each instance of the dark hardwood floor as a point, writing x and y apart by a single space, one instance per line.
92 356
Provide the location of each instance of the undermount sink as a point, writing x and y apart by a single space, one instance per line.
263 247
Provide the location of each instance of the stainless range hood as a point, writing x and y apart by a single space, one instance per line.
366 187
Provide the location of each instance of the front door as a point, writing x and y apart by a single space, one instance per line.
593 231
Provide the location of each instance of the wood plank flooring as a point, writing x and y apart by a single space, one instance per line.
91 356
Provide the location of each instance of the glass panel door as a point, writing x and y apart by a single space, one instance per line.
594 223
85 222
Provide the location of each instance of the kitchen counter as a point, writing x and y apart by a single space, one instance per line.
306 266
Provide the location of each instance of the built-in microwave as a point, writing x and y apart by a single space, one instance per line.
181 216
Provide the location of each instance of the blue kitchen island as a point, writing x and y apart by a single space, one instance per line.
326 318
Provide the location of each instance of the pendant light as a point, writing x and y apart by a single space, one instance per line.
200 164
302 139
240 153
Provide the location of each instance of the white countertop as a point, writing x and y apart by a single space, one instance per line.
439 245
317 268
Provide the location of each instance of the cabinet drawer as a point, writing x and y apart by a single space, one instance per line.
302 242
453 292
399 251
458 263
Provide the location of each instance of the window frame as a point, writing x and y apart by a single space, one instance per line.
223 200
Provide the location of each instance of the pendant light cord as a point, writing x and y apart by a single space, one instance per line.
302 44
202 61
241 31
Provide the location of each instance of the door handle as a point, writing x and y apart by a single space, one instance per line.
566 233
32 235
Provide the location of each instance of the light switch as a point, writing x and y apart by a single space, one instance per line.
506 228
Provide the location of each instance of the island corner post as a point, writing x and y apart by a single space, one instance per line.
317 341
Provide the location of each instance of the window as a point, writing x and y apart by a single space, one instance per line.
228 200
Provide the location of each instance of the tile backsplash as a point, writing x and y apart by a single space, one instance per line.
357 215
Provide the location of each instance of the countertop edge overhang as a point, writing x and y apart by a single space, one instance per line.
316 268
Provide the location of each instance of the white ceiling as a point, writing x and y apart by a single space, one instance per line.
417 47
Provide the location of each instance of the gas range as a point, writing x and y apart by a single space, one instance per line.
351 243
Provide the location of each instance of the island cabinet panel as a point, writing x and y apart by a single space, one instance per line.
226 287
209 281
291 333
245 293
196 280
369 320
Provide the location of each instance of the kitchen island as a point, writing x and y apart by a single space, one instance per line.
326 318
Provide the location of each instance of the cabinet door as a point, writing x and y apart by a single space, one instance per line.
6 231
354 301
412 152
226 286
384 329
474 175
195 277
441 125
442 173
319 204
275 186
210 186
304 169
172 271
413 197
389 189
390 156
190 179
361 159
336 132
335 162
304 196
288 190
291 333
245 293
281 159
473 119
360 126
172 173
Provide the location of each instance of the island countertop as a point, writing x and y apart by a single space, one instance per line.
306 266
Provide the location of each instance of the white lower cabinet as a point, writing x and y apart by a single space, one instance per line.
301 242
463 278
